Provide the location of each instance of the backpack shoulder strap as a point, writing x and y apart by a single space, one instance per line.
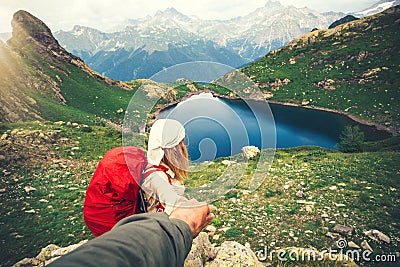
151 169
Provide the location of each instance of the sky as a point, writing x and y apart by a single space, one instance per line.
103 14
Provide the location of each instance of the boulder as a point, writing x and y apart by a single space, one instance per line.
268 95
343 229
211 229
28 262
29 189
327 84
231 253
377 236
300 193
366 246
334 236
228 162
202 250
47 255
351 244
250 152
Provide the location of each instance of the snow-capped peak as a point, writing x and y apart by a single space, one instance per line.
378 7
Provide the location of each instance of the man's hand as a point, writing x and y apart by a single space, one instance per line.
196 214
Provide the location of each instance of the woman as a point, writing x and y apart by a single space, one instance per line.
167 167
113 192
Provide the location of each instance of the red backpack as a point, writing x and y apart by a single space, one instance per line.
114 190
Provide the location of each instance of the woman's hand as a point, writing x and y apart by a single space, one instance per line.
196 214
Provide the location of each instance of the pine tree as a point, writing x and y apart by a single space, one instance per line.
351 139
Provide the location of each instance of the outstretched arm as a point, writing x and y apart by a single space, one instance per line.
151 239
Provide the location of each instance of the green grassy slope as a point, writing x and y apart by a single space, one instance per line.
42 81
360 190
354 68
85 97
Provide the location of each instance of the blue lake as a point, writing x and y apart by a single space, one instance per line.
218 127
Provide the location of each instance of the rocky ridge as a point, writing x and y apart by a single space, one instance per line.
29 31
40 78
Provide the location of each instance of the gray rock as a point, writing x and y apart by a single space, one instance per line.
228 162
343 229
232 253
211 229
300 193
334 236
351 244
28 262
202 249
47 255
250 152
377 236
194 258
65 250
366 246
29 189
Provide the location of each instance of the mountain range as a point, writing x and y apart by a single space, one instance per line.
376 8
142 47
139 48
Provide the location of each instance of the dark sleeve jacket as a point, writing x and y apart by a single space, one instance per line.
150 239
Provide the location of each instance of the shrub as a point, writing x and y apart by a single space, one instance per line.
351 139
231 194
363 198
271 193
86 129
216 222
232 232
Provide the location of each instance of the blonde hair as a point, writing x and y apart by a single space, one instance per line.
177 159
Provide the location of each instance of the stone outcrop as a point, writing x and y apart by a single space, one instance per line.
231 253
14 104
327 84
154 90
47 255
202 254
28 29
201 251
